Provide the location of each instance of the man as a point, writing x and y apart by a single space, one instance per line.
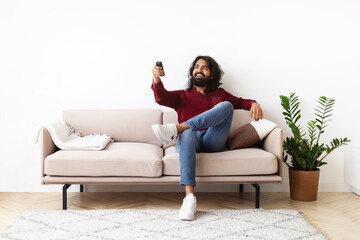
205 112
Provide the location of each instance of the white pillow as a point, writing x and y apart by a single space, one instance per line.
263 127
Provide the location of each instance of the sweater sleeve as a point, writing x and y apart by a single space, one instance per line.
165 97
238 103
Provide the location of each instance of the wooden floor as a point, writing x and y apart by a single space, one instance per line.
336 215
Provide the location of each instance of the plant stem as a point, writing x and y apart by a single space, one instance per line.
322 122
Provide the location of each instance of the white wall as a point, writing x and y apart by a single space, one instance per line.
56 55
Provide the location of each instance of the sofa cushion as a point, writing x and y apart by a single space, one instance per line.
249 134
117 159
247 161
124 125
242 137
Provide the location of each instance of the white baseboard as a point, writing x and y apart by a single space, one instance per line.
355 190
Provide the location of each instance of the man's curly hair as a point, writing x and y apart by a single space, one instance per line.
216 73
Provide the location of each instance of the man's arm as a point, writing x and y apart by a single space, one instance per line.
162 96
256 112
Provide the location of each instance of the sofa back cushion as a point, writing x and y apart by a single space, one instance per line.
240 118
124 125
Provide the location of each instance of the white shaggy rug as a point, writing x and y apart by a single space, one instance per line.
160 225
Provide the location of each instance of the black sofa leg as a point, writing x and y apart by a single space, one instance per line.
241 187
81 187
257 195
65 187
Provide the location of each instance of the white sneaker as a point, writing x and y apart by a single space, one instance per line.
188 208
165 133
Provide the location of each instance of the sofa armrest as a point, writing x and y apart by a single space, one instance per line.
274 143
47 147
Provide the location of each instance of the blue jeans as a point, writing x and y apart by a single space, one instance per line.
218 122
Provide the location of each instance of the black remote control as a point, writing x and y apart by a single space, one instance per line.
159 64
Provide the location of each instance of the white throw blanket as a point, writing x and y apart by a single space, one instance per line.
64 137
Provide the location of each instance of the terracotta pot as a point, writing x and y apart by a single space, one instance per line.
304 184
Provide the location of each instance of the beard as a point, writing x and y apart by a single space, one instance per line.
200 82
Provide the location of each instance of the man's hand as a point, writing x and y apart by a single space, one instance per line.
157 72
256 112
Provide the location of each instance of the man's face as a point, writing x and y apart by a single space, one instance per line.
201 73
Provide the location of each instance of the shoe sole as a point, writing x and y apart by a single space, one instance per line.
186 219
155 129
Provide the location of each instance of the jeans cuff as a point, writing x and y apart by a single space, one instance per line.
183 183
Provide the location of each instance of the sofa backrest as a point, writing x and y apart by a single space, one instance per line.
124 125
132 125
240 118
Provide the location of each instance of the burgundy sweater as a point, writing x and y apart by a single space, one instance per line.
190 103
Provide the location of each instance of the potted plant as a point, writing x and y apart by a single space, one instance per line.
303 153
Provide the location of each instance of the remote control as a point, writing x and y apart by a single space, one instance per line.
159 64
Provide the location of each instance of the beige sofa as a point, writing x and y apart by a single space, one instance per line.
137 157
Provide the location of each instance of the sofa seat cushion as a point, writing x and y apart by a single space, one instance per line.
117 159
247 161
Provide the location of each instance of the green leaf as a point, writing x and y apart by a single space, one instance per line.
302 153
286 114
